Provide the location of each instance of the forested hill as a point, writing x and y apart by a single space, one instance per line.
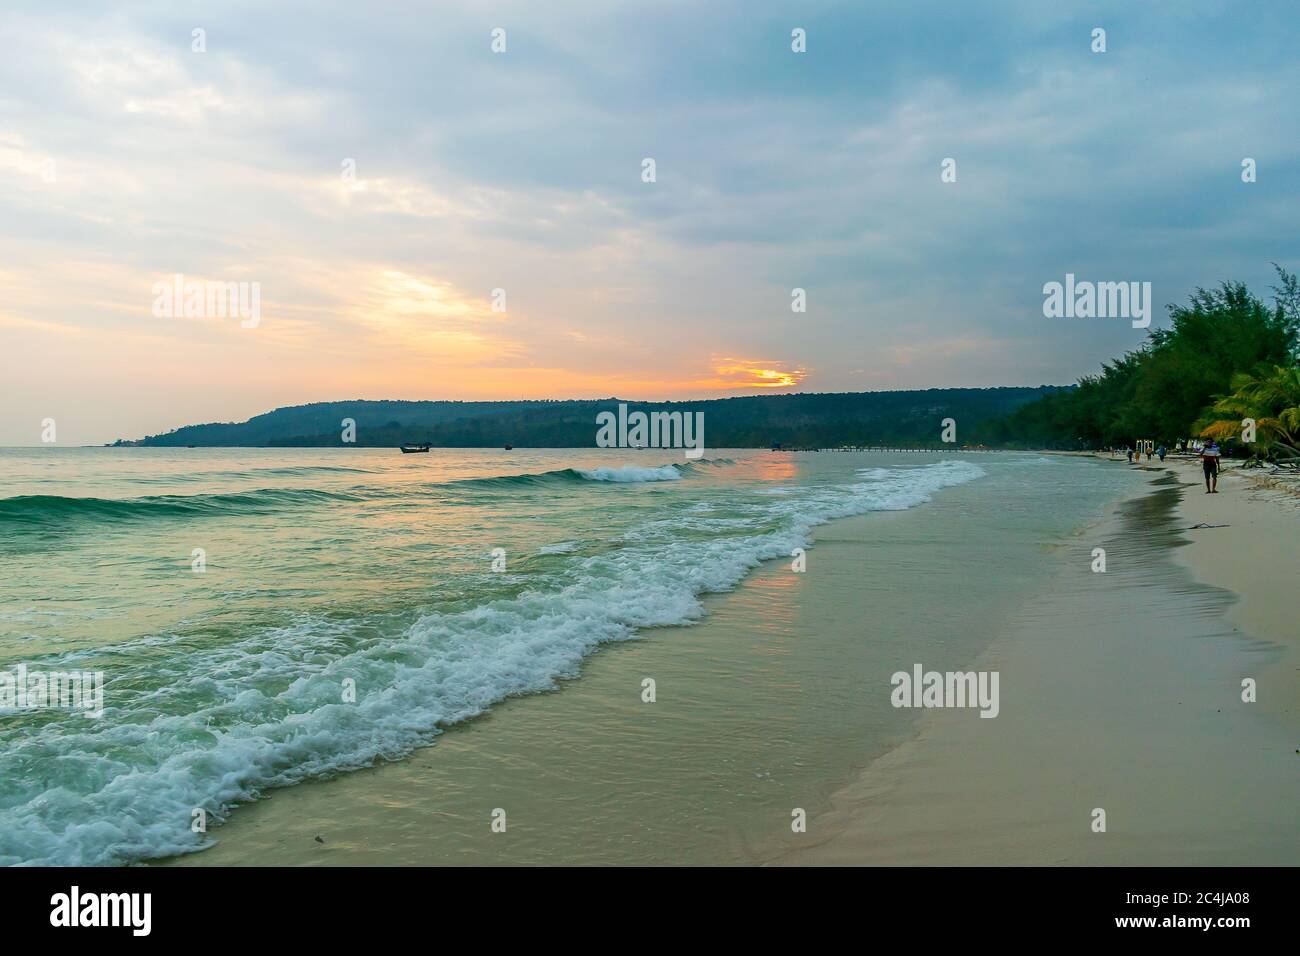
816 420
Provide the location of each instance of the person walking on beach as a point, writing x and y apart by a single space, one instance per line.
1210 463
1130 455
1160 453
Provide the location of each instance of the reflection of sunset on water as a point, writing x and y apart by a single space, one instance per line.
775 466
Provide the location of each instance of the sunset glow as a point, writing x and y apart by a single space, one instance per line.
746 373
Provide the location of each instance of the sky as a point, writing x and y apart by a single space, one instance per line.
376 170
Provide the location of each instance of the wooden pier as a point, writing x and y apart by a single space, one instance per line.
947 449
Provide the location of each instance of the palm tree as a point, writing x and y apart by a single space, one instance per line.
1271 396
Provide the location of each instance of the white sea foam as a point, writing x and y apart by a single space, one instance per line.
124 788
631 473
563 547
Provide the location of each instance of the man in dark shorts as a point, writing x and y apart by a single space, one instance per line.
1210 464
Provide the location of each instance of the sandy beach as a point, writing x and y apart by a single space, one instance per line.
1121 691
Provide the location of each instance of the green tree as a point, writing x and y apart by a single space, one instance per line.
1270 396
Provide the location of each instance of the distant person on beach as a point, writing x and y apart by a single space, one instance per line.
1130 455
1210 462
1160 452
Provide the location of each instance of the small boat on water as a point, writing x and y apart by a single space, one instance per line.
411 448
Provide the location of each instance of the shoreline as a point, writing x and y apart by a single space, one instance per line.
761 708
1251 550
1128 701
1255 556
395 799
905 787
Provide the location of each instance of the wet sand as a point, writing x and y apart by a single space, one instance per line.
1120 691
1257 557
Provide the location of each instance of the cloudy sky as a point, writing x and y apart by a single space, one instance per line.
126 157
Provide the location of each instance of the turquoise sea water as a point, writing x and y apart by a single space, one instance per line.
325 570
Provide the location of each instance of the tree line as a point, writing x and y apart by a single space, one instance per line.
1226 357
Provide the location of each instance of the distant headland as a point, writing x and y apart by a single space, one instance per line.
806 419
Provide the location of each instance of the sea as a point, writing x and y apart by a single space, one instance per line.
264 619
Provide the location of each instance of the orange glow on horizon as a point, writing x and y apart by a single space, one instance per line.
755 373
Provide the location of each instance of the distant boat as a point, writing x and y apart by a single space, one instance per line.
410 448
510 447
